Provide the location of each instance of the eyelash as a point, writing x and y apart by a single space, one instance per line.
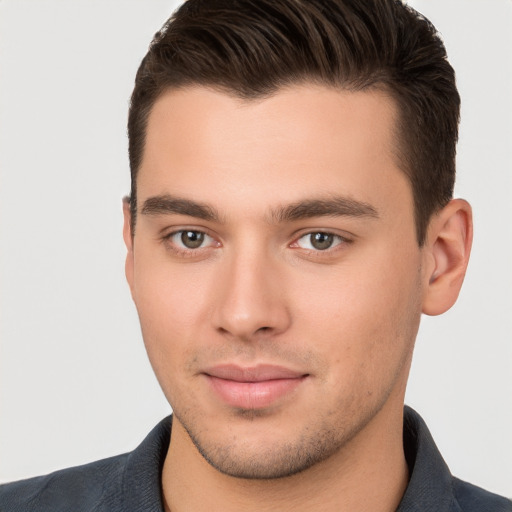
337 240
190 252
186 251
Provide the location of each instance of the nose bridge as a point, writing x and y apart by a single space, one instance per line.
250 296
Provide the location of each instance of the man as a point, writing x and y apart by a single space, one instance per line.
291 217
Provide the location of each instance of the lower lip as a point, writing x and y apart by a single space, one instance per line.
253 395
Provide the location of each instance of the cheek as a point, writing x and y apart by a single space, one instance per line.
167 295
172 310
364 318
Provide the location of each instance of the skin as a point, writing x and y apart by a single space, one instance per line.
259 178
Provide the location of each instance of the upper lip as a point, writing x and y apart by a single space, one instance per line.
259 373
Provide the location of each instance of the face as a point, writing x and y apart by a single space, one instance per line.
276 271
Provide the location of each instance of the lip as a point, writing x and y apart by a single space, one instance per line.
253 387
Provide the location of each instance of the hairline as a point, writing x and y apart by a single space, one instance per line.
399 148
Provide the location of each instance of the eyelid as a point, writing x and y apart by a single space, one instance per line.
345 235
168 231
343 239
167 236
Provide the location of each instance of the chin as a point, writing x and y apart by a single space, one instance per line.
258 445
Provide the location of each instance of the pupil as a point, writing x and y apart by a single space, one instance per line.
192 239
321 241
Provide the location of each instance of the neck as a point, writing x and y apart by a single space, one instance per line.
369 473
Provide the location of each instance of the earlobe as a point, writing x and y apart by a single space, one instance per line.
448 246
128 240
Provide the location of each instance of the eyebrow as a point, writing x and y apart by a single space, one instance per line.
337 206
167 204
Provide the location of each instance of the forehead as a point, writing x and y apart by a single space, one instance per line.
208 145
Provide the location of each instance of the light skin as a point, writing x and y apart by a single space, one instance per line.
279 284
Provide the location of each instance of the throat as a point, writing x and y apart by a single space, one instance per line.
367 474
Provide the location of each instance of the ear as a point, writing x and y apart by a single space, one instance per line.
128 240
447 247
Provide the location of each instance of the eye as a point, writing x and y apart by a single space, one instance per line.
190 239
319 241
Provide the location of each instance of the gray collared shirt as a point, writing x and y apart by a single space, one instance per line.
131 482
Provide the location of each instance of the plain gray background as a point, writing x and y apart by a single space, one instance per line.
75 382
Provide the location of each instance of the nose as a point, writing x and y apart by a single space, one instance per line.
250 297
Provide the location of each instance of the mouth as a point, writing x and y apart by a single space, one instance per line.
253 387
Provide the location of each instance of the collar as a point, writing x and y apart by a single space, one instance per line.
430 482
429 488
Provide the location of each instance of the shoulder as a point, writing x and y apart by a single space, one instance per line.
471 498
95 486
118 484
431 484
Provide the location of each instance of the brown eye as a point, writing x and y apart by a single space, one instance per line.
189 242
192 239
319 241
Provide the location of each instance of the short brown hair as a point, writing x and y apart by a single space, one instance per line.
252 48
